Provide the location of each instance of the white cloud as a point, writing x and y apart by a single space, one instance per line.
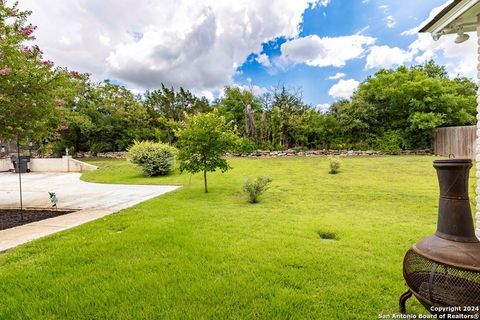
136 91
365 1
253 88
209 94
338 75
344 88
324 2
410 32
323 107
384 8
425 56
263 60
385 57
104 40
321 52
256 90
361 31
390 21
197 44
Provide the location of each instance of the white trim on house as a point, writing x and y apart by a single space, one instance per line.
444 24
477 175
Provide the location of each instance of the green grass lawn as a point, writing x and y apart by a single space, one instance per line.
191 255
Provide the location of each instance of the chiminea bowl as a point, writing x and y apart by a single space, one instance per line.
443 270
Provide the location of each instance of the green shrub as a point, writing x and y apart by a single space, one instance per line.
268 145
254 188
334 165
57 148
300 149
101 147
244 145
392 142
155 159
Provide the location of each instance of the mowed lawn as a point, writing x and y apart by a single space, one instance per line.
191 255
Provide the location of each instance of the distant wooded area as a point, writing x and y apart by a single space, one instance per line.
393 110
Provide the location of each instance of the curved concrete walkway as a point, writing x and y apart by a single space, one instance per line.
93 200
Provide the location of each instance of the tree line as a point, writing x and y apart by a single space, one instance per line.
393 109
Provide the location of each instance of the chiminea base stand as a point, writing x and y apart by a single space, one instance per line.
403 301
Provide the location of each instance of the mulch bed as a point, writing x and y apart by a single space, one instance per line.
10 218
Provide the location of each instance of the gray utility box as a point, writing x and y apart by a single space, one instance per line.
22 165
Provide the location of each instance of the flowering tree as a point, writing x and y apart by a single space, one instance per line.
32 92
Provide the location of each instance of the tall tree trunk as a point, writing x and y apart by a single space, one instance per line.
205 180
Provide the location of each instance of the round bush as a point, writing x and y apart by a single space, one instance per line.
155 159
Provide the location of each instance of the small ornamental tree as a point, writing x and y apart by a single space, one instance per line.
32 91
203 140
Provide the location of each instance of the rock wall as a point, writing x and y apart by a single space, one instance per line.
309 153
272 154
109 155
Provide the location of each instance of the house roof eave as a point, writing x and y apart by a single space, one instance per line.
453 12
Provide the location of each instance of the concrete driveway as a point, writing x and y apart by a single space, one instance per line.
92 199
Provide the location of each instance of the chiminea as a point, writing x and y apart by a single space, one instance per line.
443 270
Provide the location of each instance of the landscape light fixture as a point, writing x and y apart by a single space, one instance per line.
2 149
461 36
436 36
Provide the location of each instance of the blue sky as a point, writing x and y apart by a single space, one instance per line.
340 18
324 47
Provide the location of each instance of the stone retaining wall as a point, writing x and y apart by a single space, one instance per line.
271 154
109 155
343 153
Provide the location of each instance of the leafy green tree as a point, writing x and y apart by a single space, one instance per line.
321 130
33 93
432 70
412 100
106 117
243 108
356 119
203 140
167 107
280 120
289 107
